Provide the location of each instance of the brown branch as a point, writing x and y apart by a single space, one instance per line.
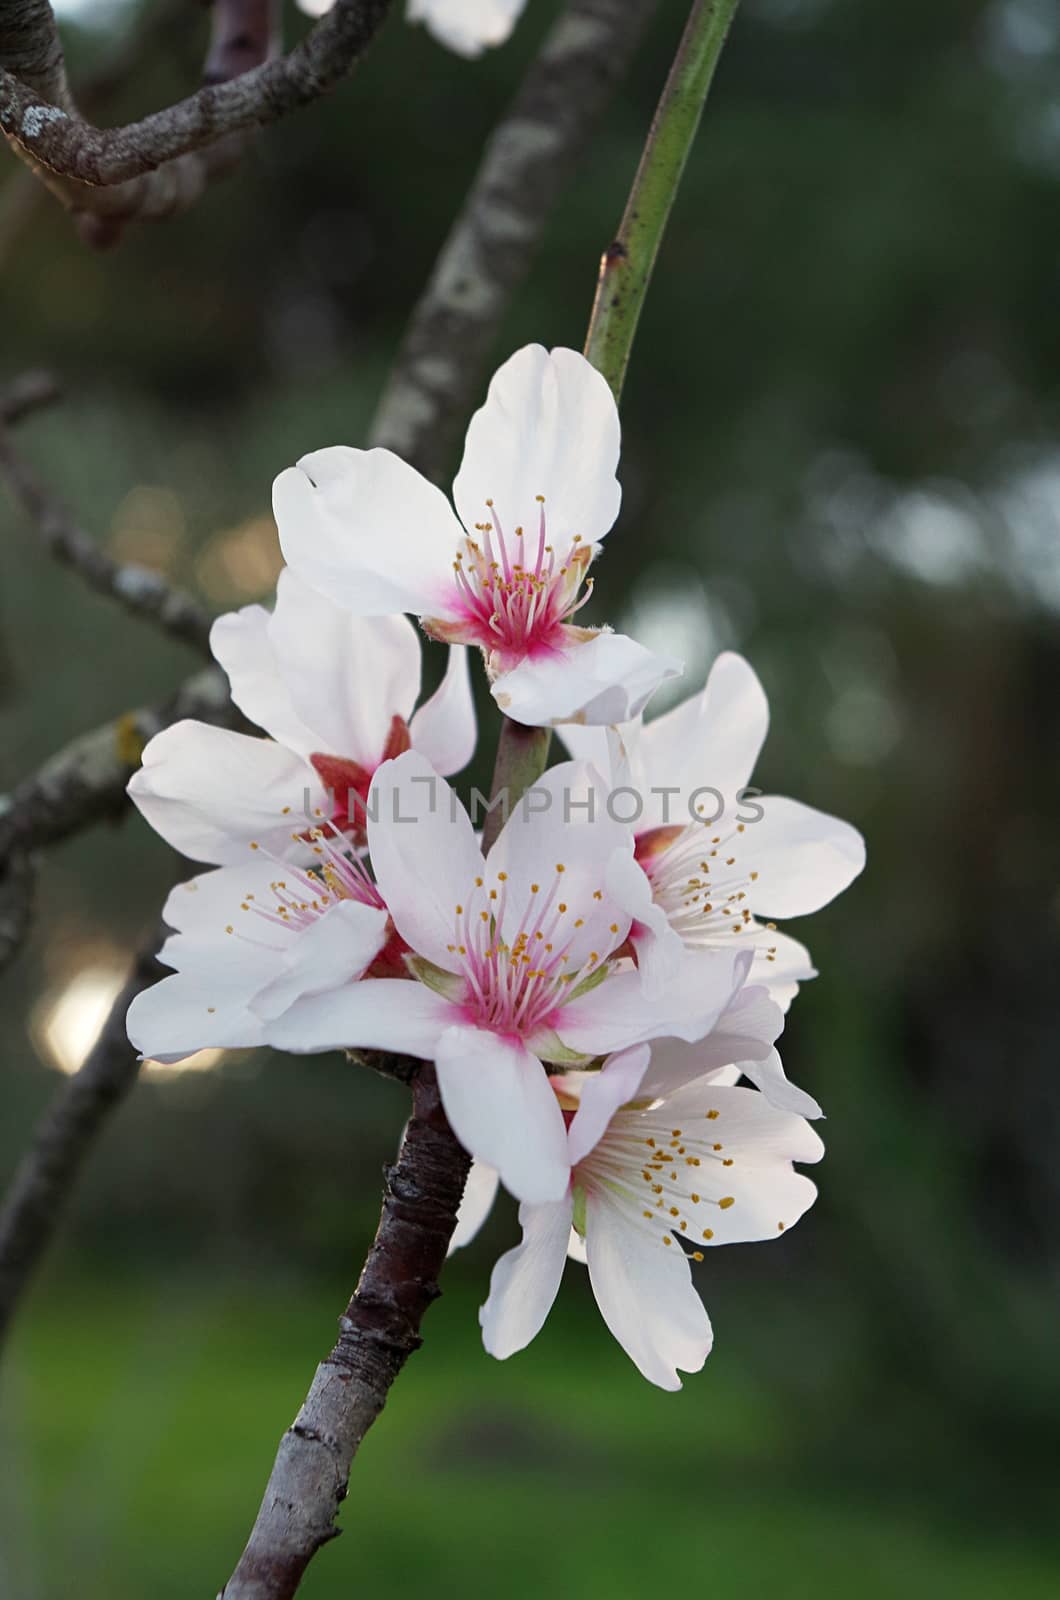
152 28
378 1332
64 1137
151 168
30 48
528 162
142 592
85 782
16 906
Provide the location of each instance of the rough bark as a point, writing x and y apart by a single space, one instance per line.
85 782
152 168
377 1333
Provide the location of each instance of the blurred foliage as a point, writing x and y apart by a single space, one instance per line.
840 457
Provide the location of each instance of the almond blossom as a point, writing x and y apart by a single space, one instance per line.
652 1180
746 1023
252 939
335 693
712 857
517 960
535 494
466 26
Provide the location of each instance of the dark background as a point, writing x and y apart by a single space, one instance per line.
840 458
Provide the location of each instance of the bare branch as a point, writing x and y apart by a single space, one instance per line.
378 1332
151 168
152 28
85 782
138 589
528 162
30 48
64 1138
16 906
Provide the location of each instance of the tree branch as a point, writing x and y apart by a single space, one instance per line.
528 161
64 1137
85 781
378 1332
151 168
16 906
142 592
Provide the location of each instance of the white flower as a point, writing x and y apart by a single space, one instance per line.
335 693
517 962
536 492
250 941
466 26
708 1164
705 884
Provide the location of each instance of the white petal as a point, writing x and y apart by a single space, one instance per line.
602 1094
769 1076
367 531
195 1011
525 1282
466 26
329 953
544 834
503 1110
765 1195
240 642
375 1014
790 965
587 744
549 427
444 729
619 1012
424 854
576 1248
608 678
348 676
480 1191
713 740
210 792
660 950
746 1028
645 1293
803 857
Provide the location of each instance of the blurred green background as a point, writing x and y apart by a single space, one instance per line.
840 458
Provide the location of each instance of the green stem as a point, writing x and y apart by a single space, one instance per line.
521 757
627 264
625 273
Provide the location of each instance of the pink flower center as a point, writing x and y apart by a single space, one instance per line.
517 984
347 782
302 895
514 596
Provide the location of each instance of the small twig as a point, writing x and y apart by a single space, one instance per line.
64 1137
378 1332
628 262
84 782
529 160
159 165
141 591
